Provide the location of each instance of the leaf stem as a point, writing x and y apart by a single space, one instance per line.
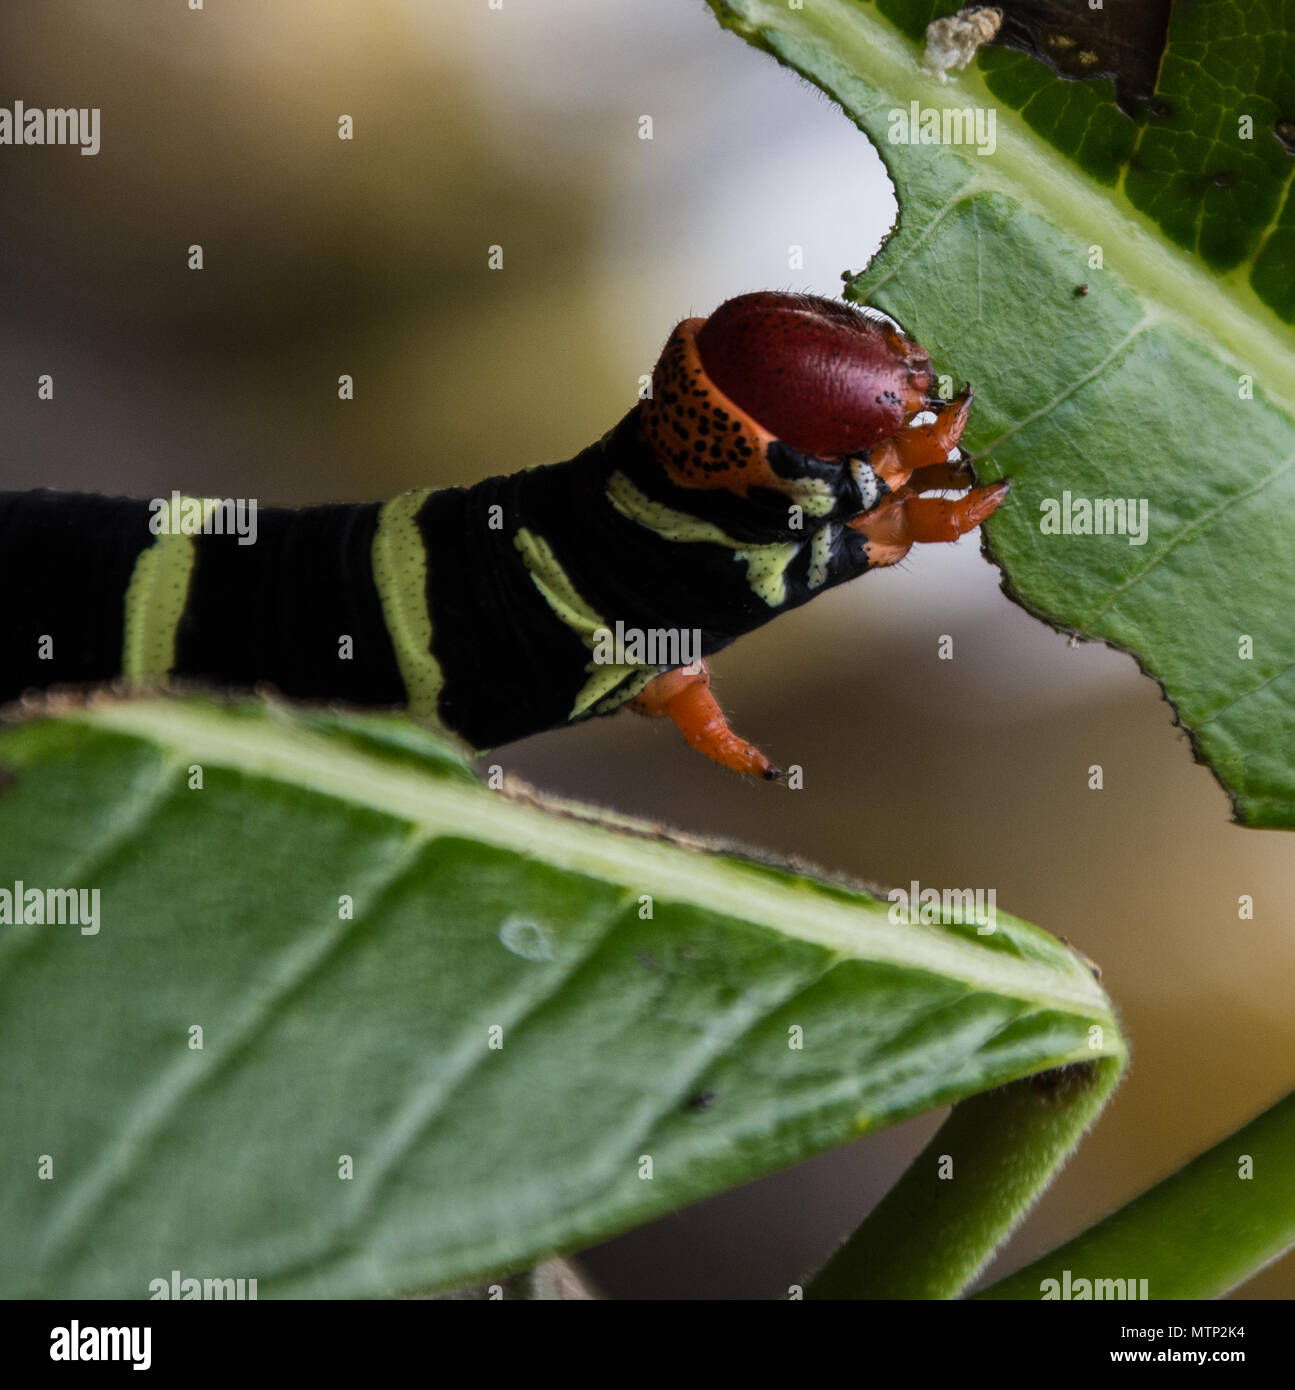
1199 1233
969 1188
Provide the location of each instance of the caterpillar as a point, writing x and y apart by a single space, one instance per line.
783 449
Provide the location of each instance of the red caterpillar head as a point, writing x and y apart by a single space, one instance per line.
826 378
829 380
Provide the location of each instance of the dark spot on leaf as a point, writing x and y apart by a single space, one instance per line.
1080 291
1122 42
1285 133
703 1100
1225 178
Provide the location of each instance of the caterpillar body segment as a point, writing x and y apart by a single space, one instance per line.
784 450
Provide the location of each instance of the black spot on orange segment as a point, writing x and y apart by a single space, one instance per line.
706 440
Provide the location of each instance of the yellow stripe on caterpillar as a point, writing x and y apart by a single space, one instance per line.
400 574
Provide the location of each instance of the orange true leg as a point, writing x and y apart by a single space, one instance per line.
905 519
684 696
919 446
922 446
936 477
947 518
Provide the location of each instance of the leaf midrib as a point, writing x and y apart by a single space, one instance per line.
283 752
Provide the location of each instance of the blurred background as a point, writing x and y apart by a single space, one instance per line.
519 127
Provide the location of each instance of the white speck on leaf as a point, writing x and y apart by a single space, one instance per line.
526 939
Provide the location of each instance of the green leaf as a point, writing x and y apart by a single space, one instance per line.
1209 1227
668 1036
1169 382
1209 158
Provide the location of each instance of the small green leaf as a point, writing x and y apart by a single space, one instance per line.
673 1022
